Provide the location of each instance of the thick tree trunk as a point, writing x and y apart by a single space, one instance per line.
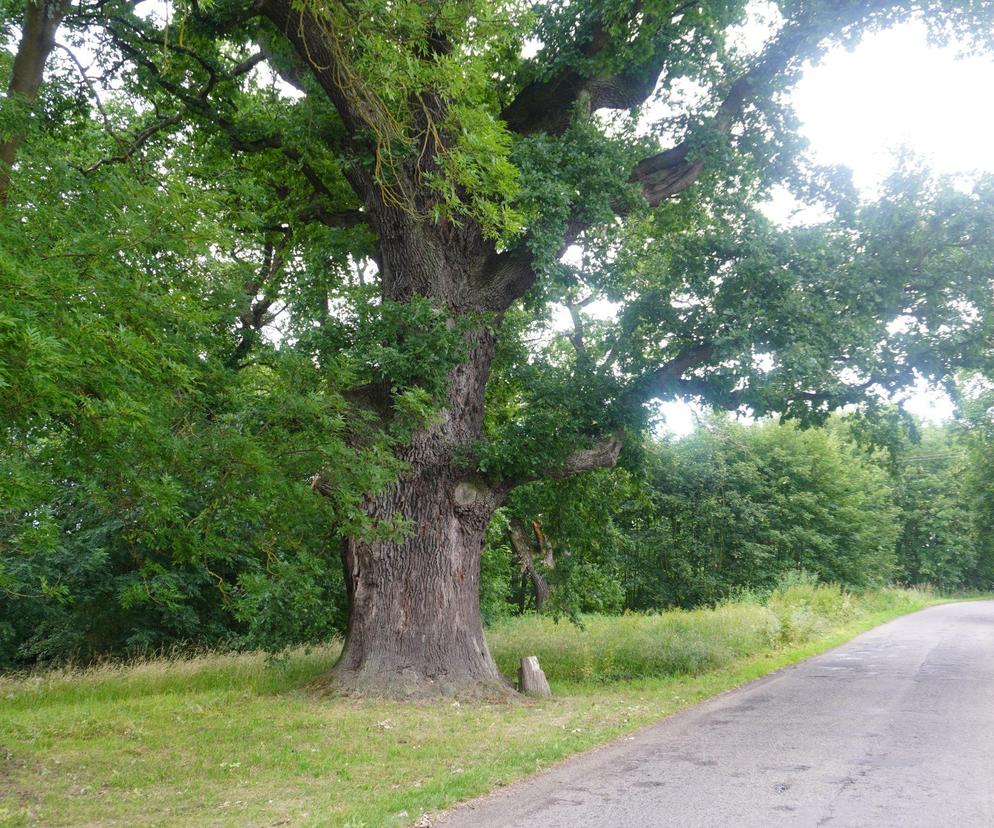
41 20
414 621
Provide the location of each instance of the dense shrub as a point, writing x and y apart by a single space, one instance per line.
694 521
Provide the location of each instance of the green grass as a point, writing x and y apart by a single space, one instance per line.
226 740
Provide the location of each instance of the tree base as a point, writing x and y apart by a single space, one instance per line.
408 686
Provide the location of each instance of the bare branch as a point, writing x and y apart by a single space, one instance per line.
526 551
139 141
602 455
267 281
248 64
104 116
576 337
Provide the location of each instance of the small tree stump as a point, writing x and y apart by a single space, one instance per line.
531 679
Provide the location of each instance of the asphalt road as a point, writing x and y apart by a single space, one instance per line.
895 728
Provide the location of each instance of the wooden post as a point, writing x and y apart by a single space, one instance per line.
531 679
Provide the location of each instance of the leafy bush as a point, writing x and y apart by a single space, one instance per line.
727 510
734 507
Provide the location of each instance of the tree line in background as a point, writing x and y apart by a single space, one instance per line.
736 507
680 523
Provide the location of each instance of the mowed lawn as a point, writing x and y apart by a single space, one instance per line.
232 740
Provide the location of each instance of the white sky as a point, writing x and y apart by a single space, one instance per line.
894 89
859 107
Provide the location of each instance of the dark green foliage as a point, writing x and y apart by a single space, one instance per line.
862 501
578 519
736 507
498 570
938 544
727 509
155 494
979 480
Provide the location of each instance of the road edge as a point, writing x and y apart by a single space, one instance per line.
781 664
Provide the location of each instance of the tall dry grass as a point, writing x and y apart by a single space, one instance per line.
606 648
679 642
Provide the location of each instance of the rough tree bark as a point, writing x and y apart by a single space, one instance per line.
414 620
41 21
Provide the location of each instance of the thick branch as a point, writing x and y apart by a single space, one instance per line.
666 174
672 171
548 105
248 64
291 72
602 455
317 211
668 377
505 277
313 38
509 275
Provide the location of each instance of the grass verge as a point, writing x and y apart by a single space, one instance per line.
226 740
